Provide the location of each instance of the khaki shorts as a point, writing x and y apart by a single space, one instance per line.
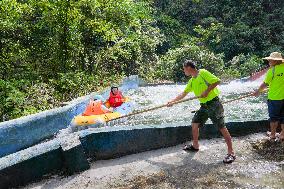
213 110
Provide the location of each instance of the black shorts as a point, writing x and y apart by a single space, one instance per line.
213 110
276 110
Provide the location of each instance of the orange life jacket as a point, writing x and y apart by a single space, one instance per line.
115 100
94 108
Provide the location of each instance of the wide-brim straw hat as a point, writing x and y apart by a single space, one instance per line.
274 56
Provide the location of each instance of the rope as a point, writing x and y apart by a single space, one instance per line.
154 108
181 101
233 100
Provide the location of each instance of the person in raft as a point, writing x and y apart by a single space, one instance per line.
96 107
116 97
204 85
274 80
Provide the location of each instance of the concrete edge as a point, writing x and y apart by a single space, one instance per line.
113 142
29 165
70 155
39 161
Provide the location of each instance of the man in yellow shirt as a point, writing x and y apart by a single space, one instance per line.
274 80
204 85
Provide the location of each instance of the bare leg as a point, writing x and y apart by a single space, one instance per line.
195 135
228 139
282 132
273 127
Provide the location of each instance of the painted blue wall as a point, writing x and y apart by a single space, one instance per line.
107 143
29 165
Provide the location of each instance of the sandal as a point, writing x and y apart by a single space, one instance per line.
229 158
268 133
272 139
190 148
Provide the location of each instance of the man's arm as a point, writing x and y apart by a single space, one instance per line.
260 89
210 88
178 98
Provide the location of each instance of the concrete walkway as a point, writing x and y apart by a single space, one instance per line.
174 168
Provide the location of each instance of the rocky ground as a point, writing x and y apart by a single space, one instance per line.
259 164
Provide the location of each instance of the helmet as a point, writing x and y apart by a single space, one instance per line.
99 97
113 87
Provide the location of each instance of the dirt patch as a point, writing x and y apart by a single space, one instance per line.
179 177
273 151
149 181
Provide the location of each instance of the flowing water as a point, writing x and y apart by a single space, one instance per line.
251 108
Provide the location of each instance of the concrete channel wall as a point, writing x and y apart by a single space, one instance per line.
66 156
27 131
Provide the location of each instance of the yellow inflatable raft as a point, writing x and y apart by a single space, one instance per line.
82 122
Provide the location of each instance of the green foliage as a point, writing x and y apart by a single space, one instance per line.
229 26
170 65
19 98
237 39
67 48
209 35
11 99
246 64
46 37
175 33
75 84
22 97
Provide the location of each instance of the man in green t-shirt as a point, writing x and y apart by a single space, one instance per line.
204 85
274 80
